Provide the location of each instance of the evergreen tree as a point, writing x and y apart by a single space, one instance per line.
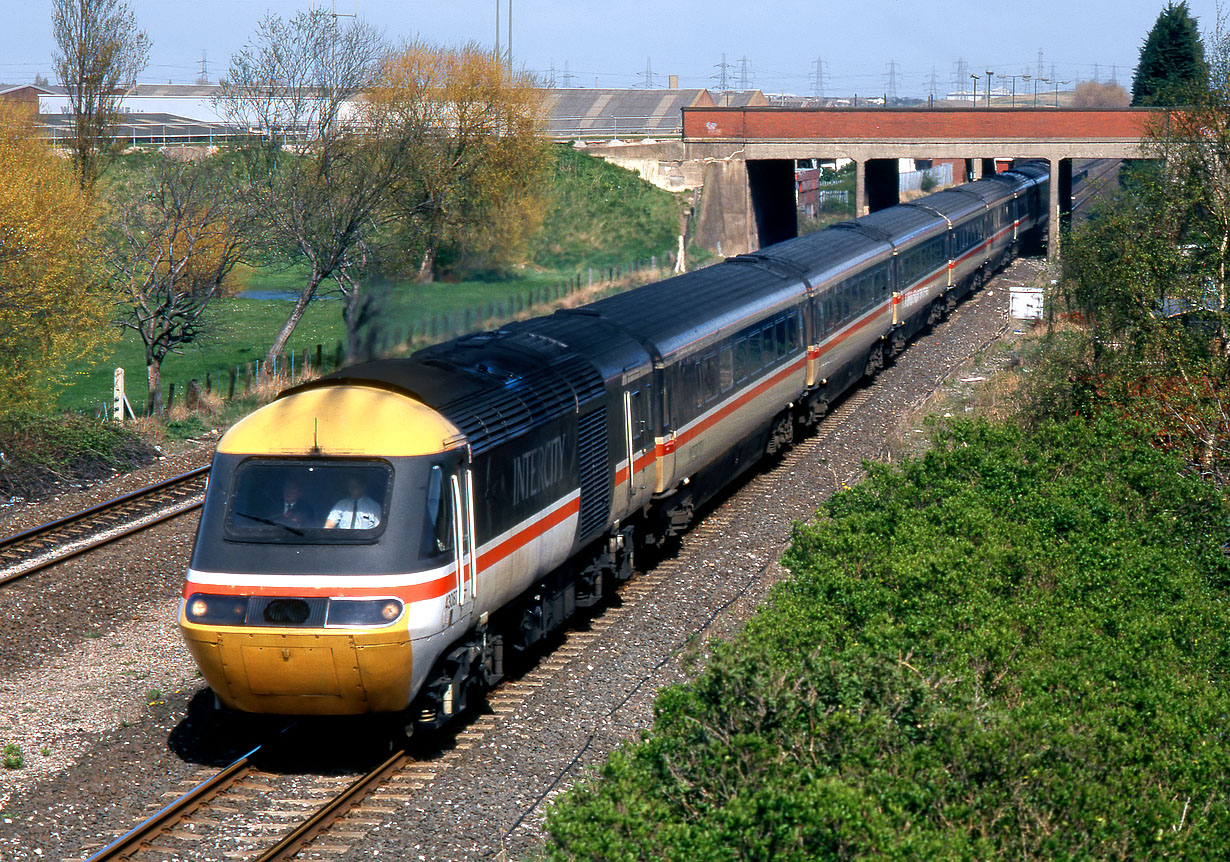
1171 60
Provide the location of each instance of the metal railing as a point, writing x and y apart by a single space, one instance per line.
608 128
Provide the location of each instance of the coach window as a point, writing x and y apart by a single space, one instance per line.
727 373
709 376
783 341
755 355
741 360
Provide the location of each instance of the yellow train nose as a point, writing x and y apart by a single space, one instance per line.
296 673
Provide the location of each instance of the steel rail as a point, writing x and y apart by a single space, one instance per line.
334 809
175 811
24 567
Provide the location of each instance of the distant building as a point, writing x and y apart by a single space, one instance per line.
182 113
188 101
611 114
740 99
27 94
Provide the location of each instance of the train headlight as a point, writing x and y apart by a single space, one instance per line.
364 612
216 610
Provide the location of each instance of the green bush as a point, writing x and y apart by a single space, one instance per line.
11 757
39 451
603 215
1011 647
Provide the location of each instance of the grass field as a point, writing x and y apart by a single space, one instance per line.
599 216
242 330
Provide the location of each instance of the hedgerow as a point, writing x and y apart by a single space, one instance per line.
1013 646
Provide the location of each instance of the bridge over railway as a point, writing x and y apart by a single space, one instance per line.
743 157
756 146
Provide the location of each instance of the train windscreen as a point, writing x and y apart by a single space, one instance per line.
320 500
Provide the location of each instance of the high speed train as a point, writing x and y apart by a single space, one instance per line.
374 540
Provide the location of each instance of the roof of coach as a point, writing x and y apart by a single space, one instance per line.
904 224
955 204
827 254
1035 170
676 313
998 187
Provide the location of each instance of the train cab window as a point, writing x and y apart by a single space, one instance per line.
439 535
319 501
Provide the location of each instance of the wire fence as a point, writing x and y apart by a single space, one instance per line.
941 175
244 380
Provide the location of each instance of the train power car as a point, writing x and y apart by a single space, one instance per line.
373 541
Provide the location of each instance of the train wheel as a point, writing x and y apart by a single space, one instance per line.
782 435
937 312
875 360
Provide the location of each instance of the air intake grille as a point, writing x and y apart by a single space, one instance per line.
538 397
595 470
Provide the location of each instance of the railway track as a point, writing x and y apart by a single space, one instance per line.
40 546
243 811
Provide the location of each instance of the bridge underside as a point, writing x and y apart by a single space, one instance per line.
769 182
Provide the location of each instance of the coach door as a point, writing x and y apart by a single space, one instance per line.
664 437
464 552
637 440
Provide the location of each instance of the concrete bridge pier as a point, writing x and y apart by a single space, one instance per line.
1060 203
774 207
876 185
724 221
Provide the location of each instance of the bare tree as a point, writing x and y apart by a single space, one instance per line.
99 53
318 172
1100 94
172 234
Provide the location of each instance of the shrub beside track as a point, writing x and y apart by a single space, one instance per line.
1012 646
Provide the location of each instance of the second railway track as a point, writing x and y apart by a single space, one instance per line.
35 548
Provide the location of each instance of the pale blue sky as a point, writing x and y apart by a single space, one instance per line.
612 41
